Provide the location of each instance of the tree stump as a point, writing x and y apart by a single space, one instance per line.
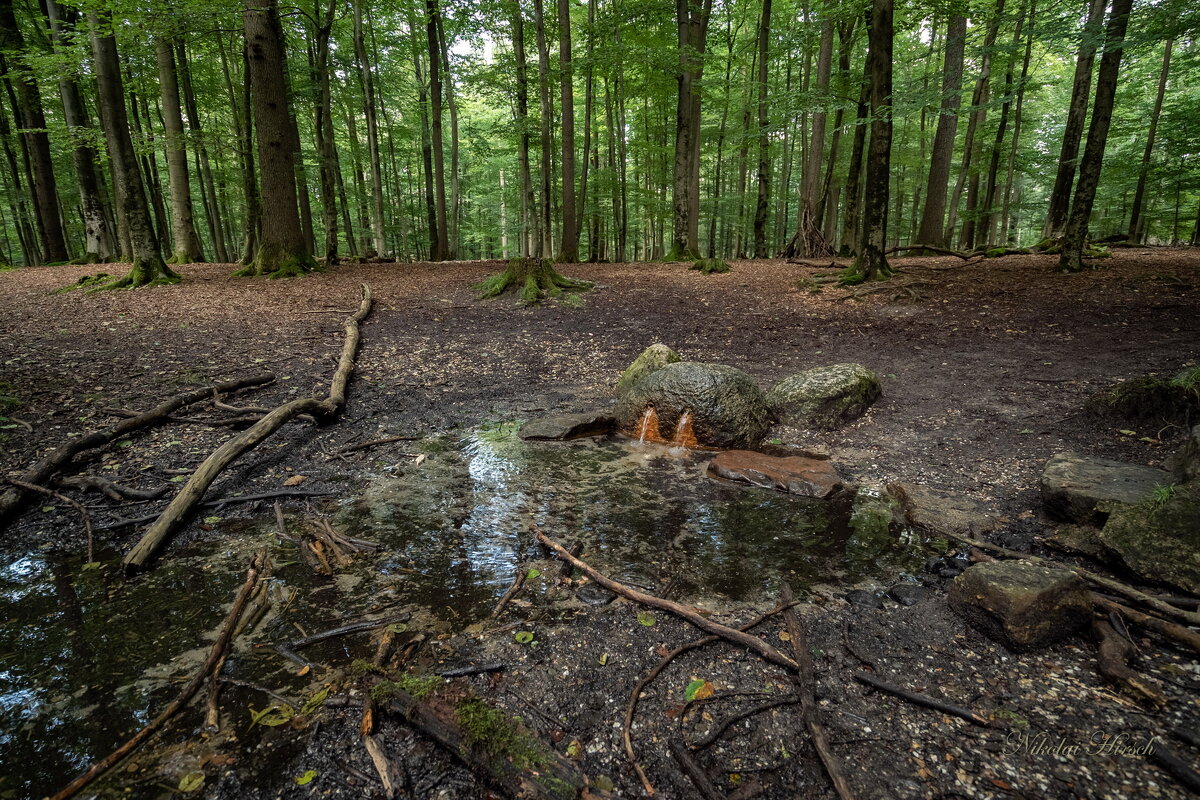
534 279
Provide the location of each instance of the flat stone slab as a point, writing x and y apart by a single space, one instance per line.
942 512
1074 486
560 427
1022 605
798 475
1160 541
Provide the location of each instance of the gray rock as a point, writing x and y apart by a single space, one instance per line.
651 360
1078 488
1160 540
1186 462
1022 605
594 595
1081 540
824 397
908 594
941 512
726 407
861 597
558 427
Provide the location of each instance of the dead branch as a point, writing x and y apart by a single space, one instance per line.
699 777
1153 603
1173 764
715 734
353 627
220 503
375 442
522 574
816 264
111 489
636 694
87 518
1176 633
805 679
683 612
259 567
193 491
942 251
41 472
1113 657
917 698
227 422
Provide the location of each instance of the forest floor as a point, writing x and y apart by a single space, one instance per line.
986 367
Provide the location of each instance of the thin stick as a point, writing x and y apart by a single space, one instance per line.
224 501
1175 766
717 732
1167 610
924 700
258 567
87 518
353 627
111 489
374 442
193 491
522 574
1176 633
40 472
683 612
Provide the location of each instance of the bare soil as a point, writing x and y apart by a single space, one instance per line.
986 367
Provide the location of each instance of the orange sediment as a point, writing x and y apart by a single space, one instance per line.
684 435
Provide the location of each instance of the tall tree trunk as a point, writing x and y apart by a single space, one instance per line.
1018 124
545 247
764 142
933 219
589 101
21 213
283 249
808 241
208 185
852 225
326 151
569 246
1060 194
622 151
1075 235
871 263
99 245
969 172
185 243
31 119
148 267
528 221
693 29
455 209
367 78
987 216
441 250
1137 222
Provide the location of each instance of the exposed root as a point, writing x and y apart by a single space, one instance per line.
710 266
534 278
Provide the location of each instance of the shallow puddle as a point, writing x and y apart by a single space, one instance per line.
87 658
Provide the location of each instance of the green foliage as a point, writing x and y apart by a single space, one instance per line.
85 282
711 266
500 735
416 686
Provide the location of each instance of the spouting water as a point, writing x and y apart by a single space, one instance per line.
684 435
648 431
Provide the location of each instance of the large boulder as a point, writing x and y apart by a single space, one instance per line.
807 477
561 427
726 408
651 360
1186 462
824 397
1022 605
1159 540
1079 488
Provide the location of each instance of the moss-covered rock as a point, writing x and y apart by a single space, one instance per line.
1080 488
1022 605
824 397
1154 398
1185 463
652 359
726 408
1160 539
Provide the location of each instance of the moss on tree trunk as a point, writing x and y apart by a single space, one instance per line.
150 271
709 266
276 261
534 279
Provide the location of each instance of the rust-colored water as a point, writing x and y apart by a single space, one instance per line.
684 435
648 430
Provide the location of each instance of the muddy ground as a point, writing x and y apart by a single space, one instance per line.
986 368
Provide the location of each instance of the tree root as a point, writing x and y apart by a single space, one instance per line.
1169 630
1113 658
259 568
925 700
711 266
40 472
534 278
193 491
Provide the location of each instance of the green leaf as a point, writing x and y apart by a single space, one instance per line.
191 782
125 443
524 637
1127 432
271 716
211 520
306 777
314 702
603 659
698 689
47 509
178 479
533 573
89 566
397 627
646 618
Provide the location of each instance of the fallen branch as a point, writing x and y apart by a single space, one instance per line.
1170 630
41 472
1166 609
257 571
111 489
221 503
522 574
636 694
942 251
715 734
87 518
1113 657
805 679
1173 764
815 264
375 442
683 612
353 627
193 491
925 700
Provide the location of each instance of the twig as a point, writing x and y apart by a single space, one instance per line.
699 778
374 442
87 518
939 250
353 627
805 679
923 700
224 501
1175 766
461 672
717 732
1167 610
40 472
1176 633
522 574
258 567
111 489
737 637
193 491
281 524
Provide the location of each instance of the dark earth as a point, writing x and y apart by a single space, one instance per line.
987 369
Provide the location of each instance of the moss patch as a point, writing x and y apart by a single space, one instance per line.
84 282
417 686
500 735
534 279
711 266
1175 399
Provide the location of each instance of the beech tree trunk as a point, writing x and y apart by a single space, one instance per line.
1075 236
987 215
441 247
526 184
871 263
569 246
808 241
185 244
933 219
764 144
283 248
148 267
208 185
545 247
324 130
1137 222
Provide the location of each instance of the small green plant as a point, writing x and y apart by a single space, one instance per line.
1161 495
417 686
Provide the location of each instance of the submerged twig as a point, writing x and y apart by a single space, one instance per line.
87 518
